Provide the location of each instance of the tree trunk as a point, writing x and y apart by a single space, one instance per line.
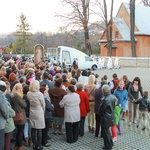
79 16
106 24
132 23
146 3
111 20
85 6
87 42
108 30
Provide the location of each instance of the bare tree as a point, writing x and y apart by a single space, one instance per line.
108 27
111 20
41 38
146 2
78 17
132 23
103 14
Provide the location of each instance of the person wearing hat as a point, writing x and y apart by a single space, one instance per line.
3 115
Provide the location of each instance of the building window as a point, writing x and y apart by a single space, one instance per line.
116 34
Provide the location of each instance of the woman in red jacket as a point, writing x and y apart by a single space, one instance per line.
84 106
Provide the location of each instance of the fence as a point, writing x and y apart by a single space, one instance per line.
132 61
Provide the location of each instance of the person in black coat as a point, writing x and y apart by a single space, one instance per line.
27 128
49 109
98 101
107 116
144 108
74 63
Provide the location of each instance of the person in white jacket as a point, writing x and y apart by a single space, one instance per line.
116 63
83 78
109 63
71 102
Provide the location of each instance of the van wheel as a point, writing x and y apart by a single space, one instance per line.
94 67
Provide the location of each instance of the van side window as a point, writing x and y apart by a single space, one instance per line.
66 55
58 54
87 58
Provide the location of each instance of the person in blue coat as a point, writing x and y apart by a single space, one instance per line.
122 96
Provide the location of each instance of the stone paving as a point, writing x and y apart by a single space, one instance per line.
132 138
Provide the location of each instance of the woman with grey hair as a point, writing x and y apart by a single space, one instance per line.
71 102
106 112
73 81
84 107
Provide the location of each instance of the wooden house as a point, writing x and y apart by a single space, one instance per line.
121 33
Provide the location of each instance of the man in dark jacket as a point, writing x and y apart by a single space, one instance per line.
107 116
74 63
46 81
48 116
98 101
144 107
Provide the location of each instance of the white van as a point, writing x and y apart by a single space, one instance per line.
68 54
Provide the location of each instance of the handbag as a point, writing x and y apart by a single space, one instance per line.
18 117
91 91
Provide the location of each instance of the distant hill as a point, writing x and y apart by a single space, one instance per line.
6 39
74 38
3 35
97 27
96 30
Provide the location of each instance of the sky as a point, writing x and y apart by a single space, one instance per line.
40 14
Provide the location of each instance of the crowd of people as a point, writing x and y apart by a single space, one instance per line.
37 97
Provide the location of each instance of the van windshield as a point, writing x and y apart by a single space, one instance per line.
66 56
87 58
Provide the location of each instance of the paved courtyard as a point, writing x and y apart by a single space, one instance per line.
131 139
